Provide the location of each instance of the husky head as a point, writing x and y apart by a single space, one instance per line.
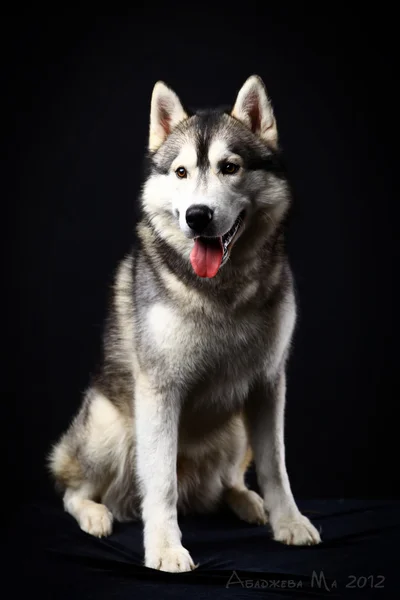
212 173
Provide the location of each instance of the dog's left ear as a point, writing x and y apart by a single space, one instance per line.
165 113
253 108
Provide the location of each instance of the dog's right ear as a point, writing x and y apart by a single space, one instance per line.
165 113
254 109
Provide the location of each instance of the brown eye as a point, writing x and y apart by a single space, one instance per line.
229 168
181 172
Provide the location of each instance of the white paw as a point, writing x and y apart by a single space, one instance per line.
96 519
172 560
249 507
296 531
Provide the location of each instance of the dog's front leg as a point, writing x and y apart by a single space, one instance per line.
265 418
156 419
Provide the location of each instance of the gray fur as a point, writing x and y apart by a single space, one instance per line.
205 356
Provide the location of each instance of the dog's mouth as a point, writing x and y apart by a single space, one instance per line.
209 254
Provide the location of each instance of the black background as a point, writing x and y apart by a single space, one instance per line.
77 93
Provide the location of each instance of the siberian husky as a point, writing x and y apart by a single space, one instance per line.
191 388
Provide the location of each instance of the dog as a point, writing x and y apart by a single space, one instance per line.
191 388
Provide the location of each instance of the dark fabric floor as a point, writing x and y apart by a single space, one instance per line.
48 556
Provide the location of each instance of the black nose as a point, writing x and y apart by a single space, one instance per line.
198 217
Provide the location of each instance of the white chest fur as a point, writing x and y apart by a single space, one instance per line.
170 333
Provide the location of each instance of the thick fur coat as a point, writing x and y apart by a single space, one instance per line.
192 384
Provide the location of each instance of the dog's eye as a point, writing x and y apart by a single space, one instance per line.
229 168
181 172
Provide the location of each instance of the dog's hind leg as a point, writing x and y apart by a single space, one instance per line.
94 518
245 503
92 464
79 492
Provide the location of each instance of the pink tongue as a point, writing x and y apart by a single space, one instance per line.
206 258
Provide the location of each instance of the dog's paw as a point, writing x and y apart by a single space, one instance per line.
96 519
296 531
173 560
249 507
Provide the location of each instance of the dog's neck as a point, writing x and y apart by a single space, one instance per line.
257 256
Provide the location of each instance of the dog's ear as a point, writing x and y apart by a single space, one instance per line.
253 108
165 113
